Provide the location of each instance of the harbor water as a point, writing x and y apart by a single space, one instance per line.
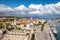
58 30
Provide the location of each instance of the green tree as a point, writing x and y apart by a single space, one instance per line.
42 27
1 26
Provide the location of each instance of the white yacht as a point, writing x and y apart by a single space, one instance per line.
53 26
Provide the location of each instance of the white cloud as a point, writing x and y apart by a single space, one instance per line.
21 7
46 9
4 8
32 9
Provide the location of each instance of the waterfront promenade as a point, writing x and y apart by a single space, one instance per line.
46 34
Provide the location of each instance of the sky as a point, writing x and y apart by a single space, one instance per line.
30 8
14 3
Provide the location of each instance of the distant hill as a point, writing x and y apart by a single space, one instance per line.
10 16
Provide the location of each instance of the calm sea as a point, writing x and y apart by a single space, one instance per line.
58 30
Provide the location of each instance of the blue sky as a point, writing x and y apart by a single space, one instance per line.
14 3
30 8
